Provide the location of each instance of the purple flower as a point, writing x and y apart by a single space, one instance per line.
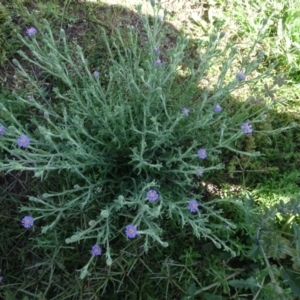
202 153
193 206
217 108
185 112
247 128
1 278
27 221
23 141
156 50
158 63
199 172
2 130
31 31
96 250
131 231
240 76
152 195
96 73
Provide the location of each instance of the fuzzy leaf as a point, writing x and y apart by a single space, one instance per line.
209 296
290 277
243 284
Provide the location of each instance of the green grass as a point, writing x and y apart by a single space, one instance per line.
259 194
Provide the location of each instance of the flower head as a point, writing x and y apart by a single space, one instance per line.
2 130
158 63
1 278
156 50
185 112
152 195
199 172
31 31
202 153
92 223
23 141
222 34
240 76
96 73
131 231
193 206
96 250
27 221
217 108
247 128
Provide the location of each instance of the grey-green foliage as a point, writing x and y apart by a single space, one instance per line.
107 140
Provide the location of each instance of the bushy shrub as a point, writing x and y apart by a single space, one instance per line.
121 152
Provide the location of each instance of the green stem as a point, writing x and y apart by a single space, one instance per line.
270 271
288 223
218 283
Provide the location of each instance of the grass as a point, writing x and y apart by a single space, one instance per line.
255 197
